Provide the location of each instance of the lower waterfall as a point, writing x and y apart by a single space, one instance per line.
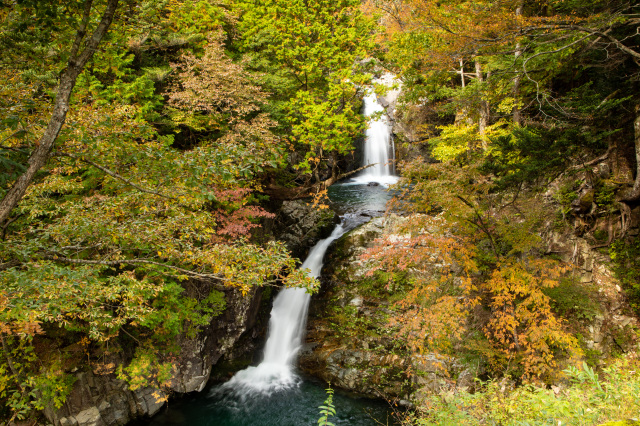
286 333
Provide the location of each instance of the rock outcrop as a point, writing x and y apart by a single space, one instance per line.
361 354
100 398
299 225
606 330
103 399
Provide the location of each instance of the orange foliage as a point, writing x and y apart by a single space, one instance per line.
522 326
433 313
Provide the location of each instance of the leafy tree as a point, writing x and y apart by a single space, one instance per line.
523 324
80 53
435 305
495 245
310 52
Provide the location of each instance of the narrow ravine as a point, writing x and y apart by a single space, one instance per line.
273 392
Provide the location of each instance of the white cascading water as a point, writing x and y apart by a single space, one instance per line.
286 331
289 312
378 146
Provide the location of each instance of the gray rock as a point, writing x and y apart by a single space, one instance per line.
300 225
97 400
89 417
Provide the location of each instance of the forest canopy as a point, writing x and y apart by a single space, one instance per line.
137 137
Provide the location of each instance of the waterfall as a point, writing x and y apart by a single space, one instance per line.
286 333
378 146
289 312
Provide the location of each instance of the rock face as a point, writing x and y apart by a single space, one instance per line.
350 343
302 225
98 400
105 400
608 329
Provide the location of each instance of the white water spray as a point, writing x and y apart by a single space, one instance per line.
378 146
286 331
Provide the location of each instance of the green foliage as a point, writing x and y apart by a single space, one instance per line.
145 370
589 400
145 211
307 55
324 126
573 300
530 156
566 194
23 388
605 196
175 313
454 142
327 410
626 260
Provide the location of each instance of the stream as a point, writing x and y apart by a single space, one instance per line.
274 393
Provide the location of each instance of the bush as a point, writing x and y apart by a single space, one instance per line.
572 300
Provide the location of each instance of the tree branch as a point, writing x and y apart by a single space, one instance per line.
82 30
114 175
599 33
44 146
192 274
480 224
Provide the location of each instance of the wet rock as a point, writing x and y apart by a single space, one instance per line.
300 225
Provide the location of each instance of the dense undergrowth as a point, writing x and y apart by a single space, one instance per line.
587 398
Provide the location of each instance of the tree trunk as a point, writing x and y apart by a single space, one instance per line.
483 110
45 144
634 193
517 115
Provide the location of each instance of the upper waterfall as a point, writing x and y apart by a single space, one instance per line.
378 145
